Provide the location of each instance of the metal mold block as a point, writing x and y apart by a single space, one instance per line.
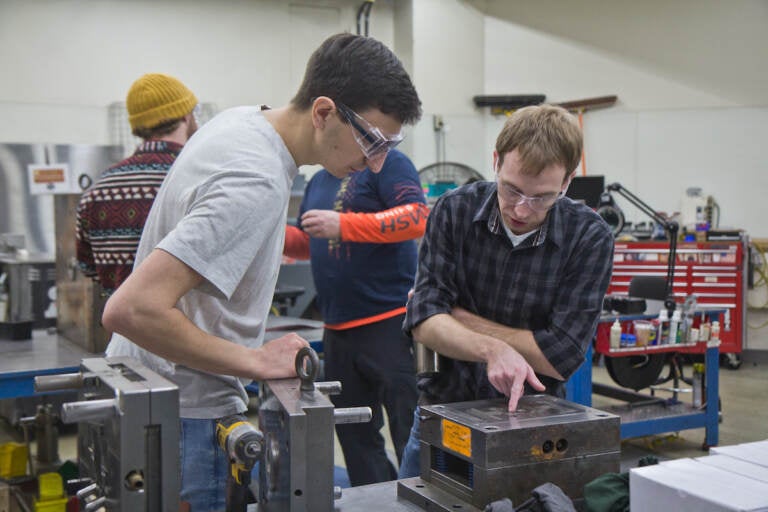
479 452
296 471
128 434
297 420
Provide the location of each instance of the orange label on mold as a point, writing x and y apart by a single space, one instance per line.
457 438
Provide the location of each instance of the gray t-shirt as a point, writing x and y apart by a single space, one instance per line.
221 210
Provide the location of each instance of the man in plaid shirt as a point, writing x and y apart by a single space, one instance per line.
511 273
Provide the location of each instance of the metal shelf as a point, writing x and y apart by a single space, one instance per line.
645 415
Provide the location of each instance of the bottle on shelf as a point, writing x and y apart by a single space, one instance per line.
652 332
702 226
663 336
693 335
674 327
699 390
653 336
628 340
704 330
616 334
714 334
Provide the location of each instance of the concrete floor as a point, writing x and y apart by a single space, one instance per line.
744 414
743 393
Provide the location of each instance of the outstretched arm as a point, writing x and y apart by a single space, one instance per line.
507 368
398 224
143 310
521 340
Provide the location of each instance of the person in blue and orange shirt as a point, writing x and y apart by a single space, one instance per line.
360 233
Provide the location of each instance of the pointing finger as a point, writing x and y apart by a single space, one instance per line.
514 394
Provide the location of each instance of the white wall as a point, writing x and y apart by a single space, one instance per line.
661 138
65 61
448 43
713 46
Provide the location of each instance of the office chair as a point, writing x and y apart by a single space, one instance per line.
642 370
648 287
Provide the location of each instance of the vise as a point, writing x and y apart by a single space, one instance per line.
297 420
477 452
128 434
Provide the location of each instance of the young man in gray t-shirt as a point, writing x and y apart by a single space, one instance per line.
195 306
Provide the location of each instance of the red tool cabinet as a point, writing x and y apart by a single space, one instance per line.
713 271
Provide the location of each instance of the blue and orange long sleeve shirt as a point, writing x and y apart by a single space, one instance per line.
365 275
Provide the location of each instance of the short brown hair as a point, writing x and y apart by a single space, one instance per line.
543 135
361 73
160 130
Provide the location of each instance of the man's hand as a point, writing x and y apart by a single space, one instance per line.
521 340
321 223
508 371
277 358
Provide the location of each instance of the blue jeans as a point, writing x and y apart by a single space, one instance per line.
409 465
204 466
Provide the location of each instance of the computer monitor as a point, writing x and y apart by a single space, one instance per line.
587 189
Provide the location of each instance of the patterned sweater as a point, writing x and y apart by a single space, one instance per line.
112 213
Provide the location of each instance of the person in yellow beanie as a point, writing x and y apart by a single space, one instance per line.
112 213
158 104
195 307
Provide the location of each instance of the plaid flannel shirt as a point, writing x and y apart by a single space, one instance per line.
552 284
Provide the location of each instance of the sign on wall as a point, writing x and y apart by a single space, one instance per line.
50 179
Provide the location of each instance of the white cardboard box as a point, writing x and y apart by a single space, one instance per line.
687 485
756 452
738 466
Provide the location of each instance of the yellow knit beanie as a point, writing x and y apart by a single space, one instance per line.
155 98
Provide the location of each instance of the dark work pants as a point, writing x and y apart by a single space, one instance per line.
374 363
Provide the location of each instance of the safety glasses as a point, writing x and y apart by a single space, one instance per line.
536 203
514 197
371 140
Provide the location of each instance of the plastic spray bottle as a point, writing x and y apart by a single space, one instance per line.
674 327
616 334
663 336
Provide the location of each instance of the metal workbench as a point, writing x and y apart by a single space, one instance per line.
365 498
661 416
47 354
44 354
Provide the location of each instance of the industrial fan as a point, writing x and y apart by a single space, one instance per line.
440 177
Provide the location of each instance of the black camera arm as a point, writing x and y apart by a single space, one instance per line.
670 226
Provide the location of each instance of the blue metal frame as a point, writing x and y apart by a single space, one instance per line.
579 389
21 384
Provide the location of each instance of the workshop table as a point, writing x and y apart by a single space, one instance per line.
44 354
48 354
365 498
662 416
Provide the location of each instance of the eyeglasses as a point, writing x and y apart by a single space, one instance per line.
536 203
370 138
